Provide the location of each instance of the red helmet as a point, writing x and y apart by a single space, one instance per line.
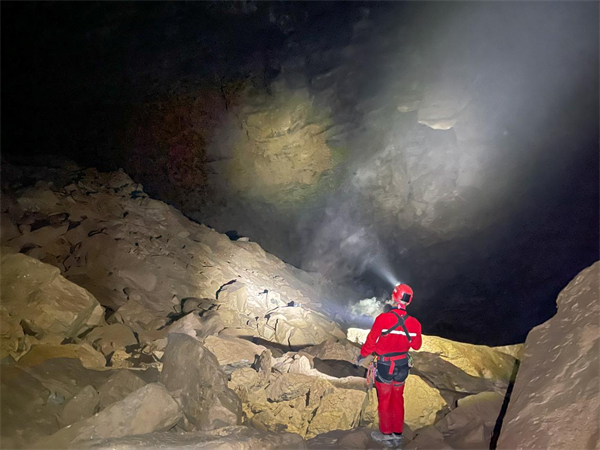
403 293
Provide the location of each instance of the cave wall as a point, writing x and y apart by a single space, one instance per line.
351 138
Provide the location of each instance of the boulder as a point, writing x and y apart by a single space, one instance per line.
422 403
90 358
428 438
80 407
292 385
476 360
43 301
118 386
189 324
230 438
234 295
110 338
340 350
146 410
28 410
263 365
339 410
232 350
192 373
555 401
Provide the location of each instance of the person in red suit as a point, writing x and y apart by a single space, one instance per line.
392 335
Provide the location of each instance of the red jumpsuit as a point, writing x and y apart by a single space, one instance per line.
391 395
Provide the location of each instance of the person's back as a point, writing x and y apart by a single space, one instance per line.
392 335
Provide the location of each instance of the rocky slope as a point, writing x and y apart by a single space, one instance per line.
555 402
125 325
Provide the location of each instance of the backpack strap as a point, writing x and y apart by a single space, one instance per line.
400 323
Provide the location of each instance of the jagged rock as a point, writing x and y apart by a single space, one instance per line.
234 295
146 410
342 439
36 199
189 324
555 401
428 438
339 410
291 385
293 363
476 360
26 410
90 358
340 350
263 365
111 338
422 403
299 327
233 437
369 417
243 381
43 301
193 375
231 350
138 317
117 387
445 375
80 407
196 304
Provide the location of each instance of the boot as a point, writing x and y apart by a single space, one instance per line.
380 437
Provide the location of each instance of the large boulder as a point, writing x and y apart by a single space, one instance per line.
232 437
111 338
118 386
80 407
192 374
555 401
339 410
146 410
423 404
342 350
35 295
232 350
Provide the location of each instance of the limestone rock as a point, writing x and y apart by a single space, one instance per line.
193 375
26 410
37 295
555 401
231 438
111 338
341 350
90 358
369 416
234 295
80 407
291 385
476 360
232 350
117 387
189 324
339 410
146 410
428 438
422 403
263 365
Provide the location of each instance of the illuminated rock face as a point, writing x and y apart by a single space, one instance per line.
555 402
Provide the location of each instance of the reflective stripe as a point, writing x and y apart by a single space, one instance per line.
399 332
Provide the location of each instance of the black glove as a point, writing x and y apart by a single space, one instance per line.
359 360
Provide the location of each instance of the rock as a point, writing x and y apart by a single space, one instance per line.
341 350
243 381
339 410
80 407
369 416
234 295
428 438
146 410
26 412
292 385
263 365
422 403
117 387
476 360
38 199
192 374
555 401
89 357
110 338
230 438
196 304
445 375
342 439
231 350
189 324
42 300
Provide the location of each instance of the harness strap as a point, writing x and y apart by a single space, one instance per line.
402 324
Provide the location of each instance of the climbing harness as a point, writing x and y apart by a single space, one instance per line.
371 374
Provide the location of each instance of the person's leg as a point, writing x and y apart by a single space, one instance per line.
384 397
397 402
